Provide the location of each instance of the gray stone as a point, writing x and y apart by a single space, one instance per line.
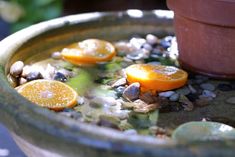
56 55
166 94
16 68
22 81
207 93
120 82
231 100
183 91
154 63
151 39
174 97
12 80
207 86
192 89
132 92
34 75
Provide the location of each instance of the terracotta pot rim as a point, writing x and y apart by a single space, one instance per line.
216 12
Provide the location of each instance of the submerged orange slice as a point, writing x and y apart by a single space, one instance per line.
156 77
51 94
89 51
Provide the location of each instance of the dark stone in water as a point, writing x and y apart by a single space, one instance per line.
192 97
225 87
34 75
120 90
60 77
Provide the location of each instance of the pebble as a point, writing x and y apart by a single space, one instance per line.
132 92
120 90
225 87
135 55
165 44
183 91
147 47
231 100
16 68
60 77
151 39
208 93
130 132
154 63
26 70
142 107
186 103
22 81
174 97
34 75
12 80
207 86
147 97
137 42
56 55
192 89
166 94
119 82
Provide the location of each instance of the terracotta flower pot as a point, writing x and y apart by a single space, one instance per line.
205 31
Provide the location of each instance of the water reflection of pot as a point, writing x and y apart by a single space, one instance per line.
205 33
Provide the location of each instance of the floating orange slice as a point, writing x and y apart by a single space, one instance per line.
52 94
89 51
156 77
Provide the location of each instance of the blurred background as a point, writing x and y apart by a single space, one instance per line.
18 14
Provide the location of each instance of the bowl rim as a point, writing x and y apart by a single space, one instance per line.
65 128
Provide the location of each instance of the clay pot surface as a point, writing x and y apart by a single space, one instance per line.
205 33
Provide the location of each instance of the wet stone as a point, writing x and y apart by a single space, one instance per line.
107 123
60 77
166 94
120 82
225 87
120 90
186 103
56 55
137 42
22 81
151 39
34 75
147 97
132 92
147 46
207 93
231 100
12 80
207 86
135 56
165 44
183 91
154 63
201 79
192 89
16 68
174 97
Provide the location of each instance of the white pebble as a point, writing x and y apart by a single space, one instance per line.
16 68
151 39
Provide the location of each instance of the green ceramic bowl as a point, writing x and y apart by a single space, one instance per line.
40 132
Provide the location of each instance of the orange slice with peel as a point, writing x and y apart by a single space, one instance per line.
156 78
89 51
51 94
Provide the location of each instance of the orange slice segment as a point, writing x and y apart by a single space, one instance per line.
156 77
89 51
51 94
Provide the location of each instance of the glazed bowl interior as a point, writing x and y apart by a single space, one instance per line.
44 128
